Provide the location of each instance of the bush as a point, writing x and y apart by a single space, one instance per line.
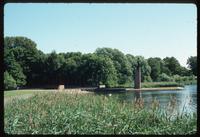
192 77
161 84
177 78
185 79
164 77
9 82
147 79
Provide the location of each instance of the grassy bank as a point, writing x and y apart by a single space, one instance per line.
161 84
13 93
174 83
189 82
60 113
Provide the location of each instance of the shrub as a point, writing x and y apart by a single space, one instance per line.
177 78
161 84
147 79
185 79
164 77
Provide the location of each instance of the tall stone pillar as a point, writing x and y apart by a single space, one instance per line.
138 78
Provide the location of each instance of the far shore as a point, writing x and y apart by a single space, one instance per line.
90 90
159 88
25 93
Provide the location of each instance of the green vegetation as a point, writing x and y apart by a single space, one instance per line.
9 82
192 63
186 80
155 64
161 84
61 113
27 66
12 93
174 81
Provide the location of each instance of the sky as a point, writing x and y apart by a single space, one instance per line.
149 30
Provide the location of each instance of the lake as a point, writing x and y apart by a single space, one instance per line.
186 99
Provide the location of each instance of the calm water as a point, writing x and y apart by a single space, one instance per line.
186 99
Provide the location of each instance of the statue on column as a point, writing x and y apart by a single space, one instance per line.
138 76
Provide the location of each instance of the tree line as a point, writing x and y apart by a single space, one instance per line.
26 66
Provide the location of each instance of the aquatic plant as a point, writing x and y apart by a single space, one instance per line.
61 113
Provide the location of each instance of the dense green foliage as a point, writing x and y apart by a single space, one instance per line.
187 80
9 82
13 67
30 67
192 63
155 64
122 66
60 113
161 84
164 77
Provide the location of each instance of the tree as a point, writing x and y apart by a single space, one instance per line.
54 64
38 73
13 68
184 71
121 64
9 82
164 68
26 55
28 66
69 72
192 64
17 73
98 70
106 73
155 64
164 77
172 64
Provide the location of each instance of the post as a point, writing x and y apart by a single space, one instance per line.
138 78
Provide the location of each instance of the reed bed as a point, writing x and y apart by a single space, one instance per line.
61 113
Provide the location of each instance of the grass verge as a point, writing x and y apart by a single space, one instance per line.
161 84
12 93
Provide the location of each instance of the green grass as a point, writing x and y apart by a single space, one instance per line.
161 84
17 92
12 93
61 113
